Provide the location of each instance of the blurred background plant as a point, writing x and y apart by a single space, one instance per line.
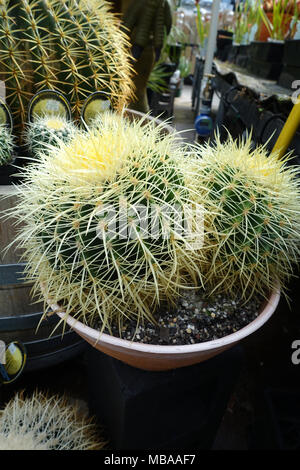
246 17
185 67
278 19
158 79
202 24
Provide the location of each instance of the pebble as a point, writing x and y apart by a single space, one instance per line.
194 320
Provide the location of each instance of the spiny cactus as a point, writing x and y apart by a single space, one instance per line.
148 20
6 145
45 132
110 222
74 46
43 422
257 237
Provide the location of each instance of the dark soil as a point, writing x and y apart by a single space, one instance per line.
195 319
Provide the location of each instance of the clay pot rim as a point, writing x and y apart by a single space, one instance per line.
267 309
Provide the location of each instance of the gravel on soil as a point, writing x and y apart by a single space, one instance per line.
194 319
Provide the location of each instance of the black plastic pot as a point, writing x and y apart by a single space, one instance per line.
10 174
291 54
266 51
232 53
224 43
242 56
174 409
268 70
291 63
265 59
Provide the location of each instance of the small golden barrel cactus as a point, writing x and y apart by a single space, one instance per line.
43 422
257 225
75 47
110 221
45 132
6 145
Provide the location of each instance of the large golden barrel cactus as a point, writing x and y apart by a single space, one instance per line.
110 224
73 46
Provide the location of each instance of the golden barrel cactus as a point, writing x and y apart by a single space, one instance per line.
256 243
75 47
44 422
110 224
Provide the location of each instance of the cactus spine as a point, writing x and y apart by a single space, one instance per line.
74 47
257 227
6 145
43 422
87 210
46 132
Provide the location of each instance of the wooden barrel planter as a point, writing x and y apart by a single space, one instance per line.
19 315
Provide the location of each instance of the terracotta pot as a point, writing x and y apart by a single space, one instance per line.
157 357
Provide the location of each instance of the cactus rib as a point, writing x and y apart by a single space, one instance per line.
74 47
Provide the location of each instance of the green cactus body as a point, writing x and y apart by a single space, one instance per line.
74 47
6 145
46 132
257 228
150 18
44 422
106 231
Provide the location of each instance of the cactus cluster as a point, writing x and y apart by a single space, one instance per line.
257 224
111 221
44 422
6 145
124 216
45 132
75 47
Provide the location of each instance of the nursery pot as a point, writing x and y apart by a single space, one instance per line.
291 63
157 357
224 43
265 59
242 56
291 55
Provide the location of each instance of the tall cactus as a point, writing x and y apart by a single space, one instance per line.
110 222
74 46
147 22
